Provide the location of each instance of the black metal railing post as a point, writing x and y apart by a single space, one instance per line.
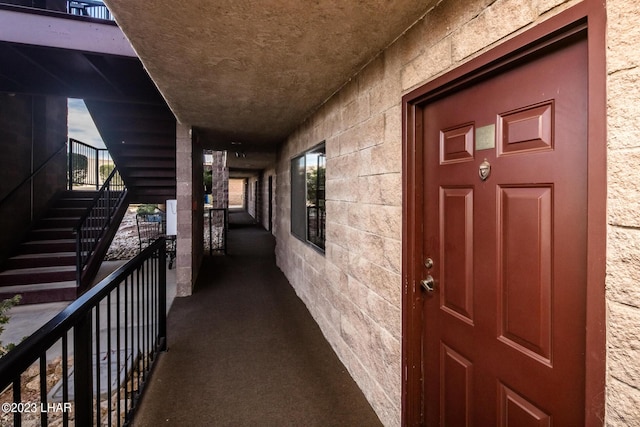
97 170
83 371
162 299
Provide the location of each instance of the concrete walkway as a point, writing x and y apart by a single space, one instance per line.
243 350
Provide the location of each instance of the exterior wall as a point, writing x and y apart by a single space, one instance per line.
354 289
190 195
31 130
623 248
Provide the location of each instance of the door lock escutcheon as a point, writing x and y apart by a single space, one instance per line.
428 283
428 263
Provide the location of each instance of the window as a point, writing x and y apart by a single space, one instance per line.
308 196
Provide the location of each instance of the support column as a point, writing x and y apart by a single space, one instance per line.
187 262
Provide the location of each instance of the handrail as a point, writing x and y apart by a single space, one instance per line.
33 174
138 292
95 221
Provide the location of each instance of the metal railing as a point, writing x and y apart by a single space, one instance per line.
316 219
89 166
103 346
90 8
218 219
94 224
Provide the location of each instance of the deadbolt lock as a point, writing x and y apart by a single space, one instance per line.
428 263
428 283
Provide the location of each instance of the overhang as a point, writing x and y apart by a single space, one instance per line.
251 72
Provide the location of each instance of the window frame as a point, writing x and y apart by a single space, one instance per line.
302 207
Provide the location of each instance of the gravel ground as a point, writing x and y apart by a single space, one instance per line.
125 244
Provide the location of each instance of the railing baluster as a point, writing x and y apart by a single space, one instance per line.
139 347
162 298
65 378
97 362
118 361
108 350
17 398
43 389
82 371
126 345
145 321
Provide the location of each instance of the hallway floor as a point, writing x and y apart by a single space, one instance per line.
244 351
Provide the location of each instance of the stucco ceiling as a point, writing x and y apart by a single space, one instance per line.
251 71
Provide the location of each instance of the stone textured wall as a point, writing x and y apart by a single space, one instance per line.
220 180
190 194
623 249
354 289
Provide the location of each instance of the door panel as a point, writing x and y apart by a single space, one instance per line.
503 336
524 269
456 239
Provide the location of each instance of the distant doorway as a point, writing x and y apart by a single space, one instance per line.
270 202
236 193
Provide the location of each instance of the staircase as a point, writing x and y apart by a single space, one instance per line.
44 266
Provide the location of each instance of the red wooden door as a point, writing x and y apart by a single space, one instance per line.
503 336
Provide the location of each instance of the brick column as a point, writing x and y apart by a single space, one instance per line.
185 202
220 180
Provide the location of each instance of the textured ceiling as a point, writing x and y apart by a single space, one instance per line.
251 71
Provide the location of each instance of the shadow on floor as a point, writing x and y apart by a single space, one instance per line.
244 350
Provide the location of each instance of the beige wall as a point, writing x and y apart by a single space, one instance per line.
189 195
354 289
623 249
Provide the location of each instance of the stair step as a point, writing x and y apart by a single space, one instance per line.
83 202
79 194
43 292
52 233
41 260
48 246
60 222
29 276
70 211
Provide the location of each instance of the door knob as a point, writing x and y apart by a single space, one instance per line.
428 283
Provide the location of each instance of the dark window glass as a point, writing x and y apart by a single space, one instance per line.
308 216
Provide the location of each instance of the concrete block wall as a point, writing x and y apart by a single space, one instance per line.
219 180
354 289
623 242
190 195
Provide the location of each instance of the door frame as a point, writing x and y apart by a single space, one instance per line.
590 16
